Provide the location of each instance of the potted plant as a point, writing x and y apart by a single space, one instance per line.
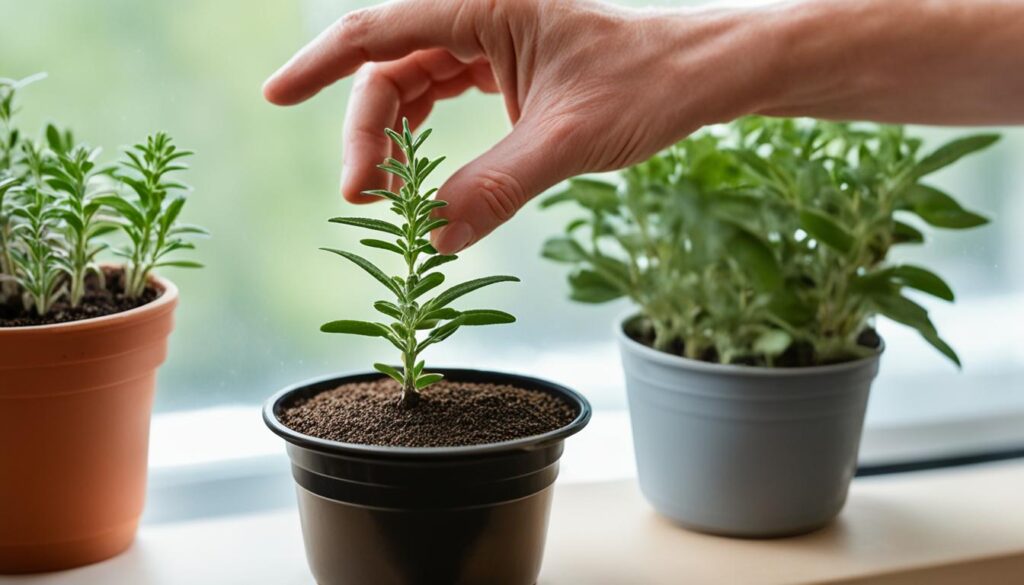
411 474
80 341
756 256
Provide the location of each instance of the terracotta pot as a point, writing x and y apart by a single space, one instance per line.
75 401
473 515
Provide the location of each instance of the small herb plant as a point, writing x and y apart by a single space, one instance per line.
766 242
57 203
416 323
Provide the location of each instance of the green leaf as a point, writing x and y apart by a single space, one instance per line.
905 311
951 152
428 379
941 210
370 224
180 264
588 193
588 286
394 373
431 226
772 342
788 306
355 328
382 245
443 332
125 208
370 269
904 233
389 309
443 314
435 261
429 282
826 230
921 279
757 259
562 249
486 317
459 290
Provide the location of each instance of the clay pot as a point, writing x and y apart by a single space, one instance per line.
75 402
473 515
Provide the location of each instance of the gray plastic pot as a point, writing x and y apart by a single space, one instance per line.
744 451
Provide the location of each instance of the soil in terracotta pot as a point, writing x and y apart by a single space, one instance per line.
99 300
449 414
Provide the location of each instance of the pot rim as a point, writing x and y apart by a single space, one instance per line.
673 360
168 296
427 453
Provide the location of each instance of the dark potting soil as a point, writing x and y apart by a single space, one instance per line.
98 301
450 414
798 355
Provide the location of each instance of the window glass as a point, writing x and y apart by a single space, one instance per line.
266 181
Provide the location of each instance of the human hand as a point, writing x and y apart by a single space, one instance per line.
588 87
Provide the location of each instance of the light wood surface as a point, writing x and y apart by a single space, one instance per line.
948 527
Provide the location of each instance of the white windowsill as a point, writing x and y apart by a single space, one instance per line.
944 527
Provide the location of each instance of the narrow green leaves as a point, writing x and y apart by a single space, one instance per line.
826 230
951 152
368 266
563 249
392 372
370 224
355 328
465 288
588 286
905 311
941 210
486 317
418 323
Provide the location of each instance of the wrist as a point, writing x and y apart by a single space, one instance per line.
724 63
825 56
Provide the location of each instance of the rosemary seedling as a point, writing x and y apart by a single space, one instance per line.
37 253
74 176
150 217
416 323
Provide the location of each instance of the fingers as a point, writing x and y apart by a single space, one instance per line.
491 189
382 33
382 95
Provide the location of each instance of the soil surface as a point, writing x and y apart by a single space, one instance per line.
97 302
799 355
449 414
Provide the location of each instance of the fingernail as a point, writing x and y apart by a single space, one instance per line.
453 237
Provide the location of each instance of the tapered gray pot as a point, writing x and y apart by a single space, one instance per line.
744 451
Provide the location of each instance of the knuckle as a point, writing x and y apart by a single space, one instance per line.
354 27
356 22
502 193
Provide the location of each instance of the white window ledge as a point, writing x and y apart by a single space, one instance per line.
963 525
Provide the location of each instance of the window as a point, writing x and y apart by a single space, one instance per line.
266 181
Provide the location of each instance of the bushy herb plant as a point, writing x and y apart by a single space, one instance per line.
766 242
57 203
415 321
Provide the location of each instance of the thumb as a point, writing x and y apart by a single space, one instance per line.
488 191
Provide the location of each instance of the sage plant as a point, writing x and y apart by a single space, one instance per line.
767 241
416 323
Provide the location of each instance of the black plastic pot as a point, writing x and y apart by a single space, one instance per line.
436 515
